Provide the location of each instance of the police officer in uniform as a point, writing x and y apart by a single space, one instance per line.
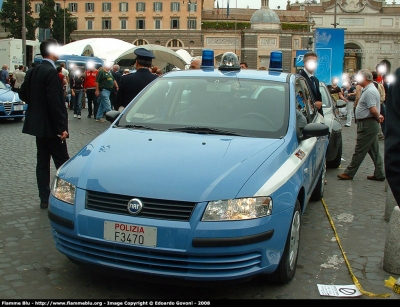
131 84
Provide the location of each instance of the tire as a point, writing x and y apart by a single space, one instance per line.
335 163
287 265
318 192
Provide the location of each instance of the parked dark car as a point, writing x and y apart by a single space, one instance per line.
334 151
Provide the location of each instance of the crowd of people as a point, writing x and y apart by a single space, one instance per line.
99 89
13 78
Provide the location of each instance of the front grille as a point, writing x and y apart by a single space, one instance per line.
7 107
158 262
152 208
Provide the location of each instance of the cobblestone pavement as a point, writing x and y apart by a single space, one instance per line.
32 268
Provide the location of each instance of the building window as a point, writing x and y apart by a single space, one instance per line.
192 6
157 6
139 42
158 42
157 24
174 23
123 24
106 6
57 7
192 24
175 6
75 21
90 24
140 24
140 7
174 43
38 6
123 6
106 24
89 7
73 7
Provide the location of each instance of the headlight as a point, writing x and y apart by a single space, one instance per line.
63 190
238 209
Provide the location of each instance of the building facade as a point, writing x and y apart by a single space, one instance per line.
174 24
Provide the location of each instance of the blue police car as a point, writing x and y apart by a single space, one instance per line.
11 106
203 177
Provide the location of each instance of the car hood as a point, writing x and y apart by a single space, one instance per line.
8 95
168 165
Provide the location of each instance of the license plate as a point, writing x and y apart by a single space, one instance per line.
18 108
130 234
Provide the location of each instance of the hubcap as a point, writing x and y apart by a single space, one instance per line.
294 239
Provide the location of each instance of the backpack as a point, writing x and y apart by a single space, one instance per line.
381 89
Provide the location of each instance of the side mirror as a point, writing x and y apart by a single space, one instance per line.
111 116
340 103
315 130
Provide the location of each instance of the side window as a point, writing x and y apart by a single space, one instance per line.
310 108
301 107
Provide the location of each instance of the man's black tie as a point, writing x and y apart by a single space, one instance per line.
313 83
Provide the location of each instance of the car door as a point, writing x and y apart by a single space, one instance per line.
316 159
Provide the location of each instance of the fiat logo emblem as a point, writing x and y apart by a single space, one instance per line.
135 206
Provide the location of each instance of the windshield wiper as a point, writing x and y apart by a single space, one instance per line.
138 127
205 130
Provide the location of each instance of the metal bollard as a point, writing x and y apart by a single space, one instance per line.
391 259
390 203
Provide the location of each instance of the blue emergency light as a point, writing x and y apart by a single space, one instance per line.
275 61
207 58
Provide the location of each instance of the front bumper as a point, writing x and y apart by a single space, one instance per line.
192 250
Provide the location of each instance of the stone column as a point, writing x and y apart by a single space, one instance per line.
391 256
390 202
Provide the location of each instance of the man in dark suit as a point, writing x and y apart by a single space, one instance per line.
392 137
117 77
310 64
46 117
131 84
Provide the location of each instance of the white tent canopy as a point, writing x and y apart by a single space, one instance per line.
105 48
163 56
185 55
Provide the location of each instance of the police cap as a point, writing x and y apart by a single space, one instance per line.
144 54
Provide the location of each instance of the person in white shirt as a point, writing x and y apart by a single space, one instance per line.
19 77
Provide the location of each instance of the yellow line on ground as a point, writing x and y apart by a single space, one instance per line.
353 277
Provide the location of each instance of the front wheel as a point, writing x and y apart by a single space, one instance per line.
335 163
287 265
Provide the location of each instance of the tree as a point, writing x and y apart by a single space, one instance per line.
58 26
47 14
11 21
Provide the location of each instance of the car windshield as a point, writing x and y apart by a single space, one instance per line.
326 99
243 107
2 86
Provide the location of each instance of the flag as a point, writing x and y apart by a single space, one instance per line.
227 10
217 7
